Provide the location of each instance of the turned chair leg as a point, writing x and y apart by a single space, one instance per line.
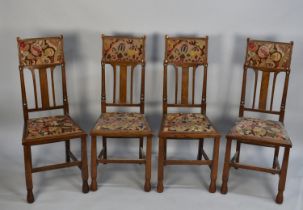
84 167
93 186
140 148
226 168
147 185
276 155
160 165
28 173
200 148
67 150
283 173
214 165
104 144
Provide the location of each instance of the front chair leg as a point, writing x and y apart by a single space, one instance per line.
283 173
200 149
84 167
214 165
28 173
93 185
160 165
67 150
226 168
148 161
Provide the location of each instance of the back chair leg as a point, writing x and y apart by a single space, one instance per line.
140 148
28 173
67 150
226 168
104 144
165 149
147 185
84 167
160 165
238 150
200 149
276 155
283 173
93 186
214 165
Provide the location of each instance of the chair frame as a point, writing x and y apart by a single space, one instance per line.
164 136
102 157
71 159
234 161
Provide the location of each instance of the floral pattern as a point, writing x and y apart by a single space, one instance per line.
262 54
253 127
50 126
123 121
186 50
187 122
40 51
123 49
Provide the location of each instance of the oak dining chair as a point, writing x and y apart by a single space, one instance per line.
124 57
269 64
186 56
44 58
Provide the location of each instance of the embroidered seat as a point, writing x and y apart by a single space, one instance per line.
187 122
124 56
51 127
43 58
268 59
121 121
259 128
186 56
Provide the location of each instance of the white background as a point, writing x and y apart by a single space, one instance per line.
227 23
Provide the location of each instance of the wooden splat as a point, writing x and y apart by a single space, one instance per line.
264 90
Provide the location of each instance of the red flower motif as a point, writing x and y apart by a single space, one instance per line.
22 45
252 46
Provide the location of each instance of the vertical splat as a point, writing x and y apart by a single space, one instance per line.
185 80
123 83
264 90
44 87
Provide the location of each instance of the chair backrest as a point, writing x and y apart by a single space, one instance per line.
270 59
40 56
185 54
123 54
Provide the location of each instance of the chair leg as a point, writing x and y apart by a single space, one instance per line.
200 149
84 167
28 173
67 150
283 173
165 149
226 168
93 186
276 155
147 185
104 144
238 150
140 148
160 165
214 166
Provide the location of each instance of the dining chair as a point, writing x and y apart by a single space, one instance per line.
268 64
44 59
186 57
124 57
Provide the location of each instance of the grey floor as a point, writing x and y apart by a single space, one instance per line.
121 186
